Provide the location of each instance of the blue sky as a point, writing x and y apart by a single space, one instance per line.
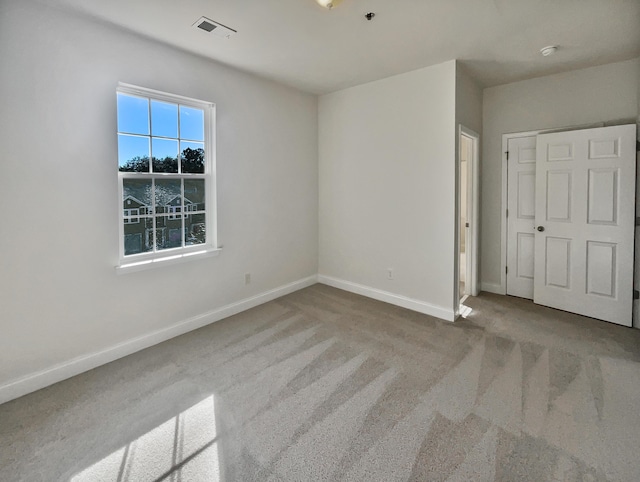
137 130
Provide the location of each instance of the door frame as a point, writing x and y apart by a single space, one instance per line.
473 210
502 288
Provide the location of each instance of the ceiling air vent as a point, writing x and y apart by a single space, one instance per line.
216 28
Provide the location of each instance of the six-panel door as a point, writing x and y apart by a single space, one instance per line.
521 217
584 219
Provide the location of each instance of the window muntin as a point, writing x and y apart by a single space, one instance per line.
165 168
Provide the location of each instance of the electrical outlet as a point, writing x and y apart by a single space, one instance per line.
390 273
247 278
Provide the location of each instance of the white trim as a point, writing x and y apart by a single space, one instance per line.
474 262
169 259
41 379
492 288
473 200
160 95
392 298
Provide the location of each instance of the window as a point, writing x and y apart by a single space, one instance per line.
165 170
131 216
174 212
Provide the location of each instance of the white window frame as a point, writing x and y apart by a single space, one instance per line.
135 262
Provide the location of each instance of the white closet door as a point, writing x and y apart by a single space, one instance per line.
521 218
585 208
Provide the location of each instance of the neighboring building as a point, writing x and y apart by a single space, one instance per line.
139 228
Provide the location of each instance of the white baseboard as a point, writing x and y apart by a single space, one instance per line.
492 288
392 298
41 379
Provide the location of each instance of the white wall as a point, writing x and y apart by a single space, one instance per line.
469 115
468 100
60 296
598 94
387 188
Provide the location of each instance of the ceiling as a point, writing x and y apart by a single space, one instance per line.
298 43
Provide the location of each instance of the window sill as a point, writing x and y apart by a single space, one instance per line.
166 261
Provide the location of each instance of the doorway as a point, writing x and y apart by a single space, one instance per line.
467 225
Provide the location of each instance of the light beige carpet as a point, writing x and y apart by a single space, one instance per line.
327 385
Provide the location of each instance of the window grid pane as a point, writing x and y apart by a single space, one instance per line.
133 114
164 119
133 153
191 123
164 154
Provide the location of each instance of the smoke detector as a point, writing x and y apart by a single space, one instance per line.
550 50
211 26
